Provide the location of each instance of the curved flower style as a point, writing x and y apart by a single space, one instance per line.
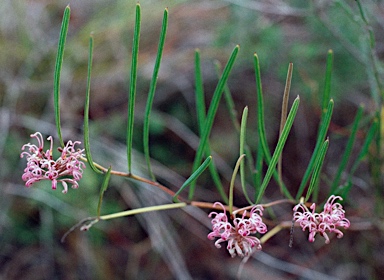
238 235
332 217
41 166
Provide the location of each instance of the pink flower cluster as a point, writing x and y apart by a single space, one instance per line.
238 235
332 217
41 166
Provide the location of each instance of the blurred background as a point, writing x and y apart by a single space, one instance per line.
173 244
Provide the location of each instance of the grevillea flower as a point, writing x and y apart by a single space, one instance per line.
332 217
238 236
41 165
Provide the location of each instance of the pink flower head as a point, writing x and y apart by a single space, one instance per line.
41 166
240 242
332 217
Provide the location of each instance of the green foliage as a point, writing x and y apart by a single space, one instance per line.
261 131
132 87
103 188
347 27
211 114
59 63
322 133
232 183
193 177
86 111
151 93
347 151
201 119
279 148
318 164
243 129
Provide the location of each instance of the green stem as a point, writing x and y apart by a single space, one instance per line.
143 210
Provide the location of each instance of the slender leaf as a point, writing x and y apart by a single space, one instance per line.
132 88
87 146
263 150
365 148
374 69
363 152
233 116
200 99
260 111
372 40
376 161
232 184
243 129
228 100
104 187
314 183
151 93
284 111
320 139
193 177
327 83
279 148
201 111
261 127
58 66
348 151
211 114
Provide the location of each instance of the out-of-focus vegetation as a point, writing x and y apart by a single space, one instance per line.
33 220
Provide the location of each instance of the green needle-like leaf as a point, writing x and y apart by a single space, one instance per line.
200 111
232 183
320 139
261 130
260 111
374 73
243 129
348 151
104 187
132 88
199 88
365 149
151 93
314 183
58 66
211 114
370 30
327 83
279 148
193 177
284 111
229 100
87 146
363 152
236 124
